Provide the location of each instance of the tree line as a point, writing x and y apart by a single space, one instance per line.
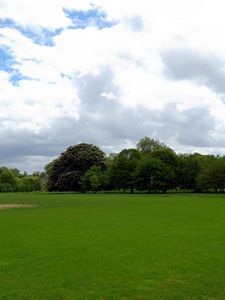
150 167
12 180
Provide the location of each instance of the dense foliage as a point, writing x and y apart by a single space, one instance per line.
151 167
11 180
67 171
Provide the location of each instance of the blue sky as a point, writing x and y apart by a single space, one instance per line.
80 19
6 59
108 73
92 17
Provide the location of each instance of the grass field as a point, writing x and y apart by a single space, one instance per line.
112 247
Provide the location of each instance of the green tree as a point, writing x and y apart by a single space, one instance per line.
123 168
93 179
147 145
16 172
66 172
8 182
151 174
30 183
40 180
169 171
189 167
212 175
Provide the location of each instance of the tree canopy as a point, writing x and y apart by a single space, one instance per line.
66 172
151 167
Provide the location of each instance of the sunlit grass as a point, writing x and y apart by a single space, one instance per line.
112 247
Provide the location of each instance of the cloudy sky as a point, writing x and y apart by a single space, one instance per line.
109 73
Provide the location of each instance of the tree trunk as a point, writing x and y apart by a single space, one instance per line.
132 189
164 190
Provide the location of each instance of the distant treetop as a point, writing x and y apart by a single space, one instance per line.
147 144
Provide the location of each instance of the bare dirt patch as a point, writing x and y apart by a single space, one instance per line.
11 205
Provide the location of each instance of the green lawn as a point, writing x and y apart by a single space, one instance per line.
112 247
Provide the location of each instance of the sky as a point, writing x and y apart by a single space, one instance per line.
109 73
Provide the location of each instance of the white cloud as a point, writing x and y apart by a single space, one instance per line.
63 86
34 13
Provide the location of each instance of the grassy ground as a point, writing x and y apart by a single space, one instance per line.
112 247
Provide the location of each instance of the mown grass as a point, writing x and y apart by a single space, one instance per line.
113 247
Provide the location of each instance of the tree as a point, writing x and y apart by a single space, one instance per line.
49 166
8 182
147 145
93 180
16 172
151 174
30 184
40 180
212 175
169 158
189 167
66 172
123 168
